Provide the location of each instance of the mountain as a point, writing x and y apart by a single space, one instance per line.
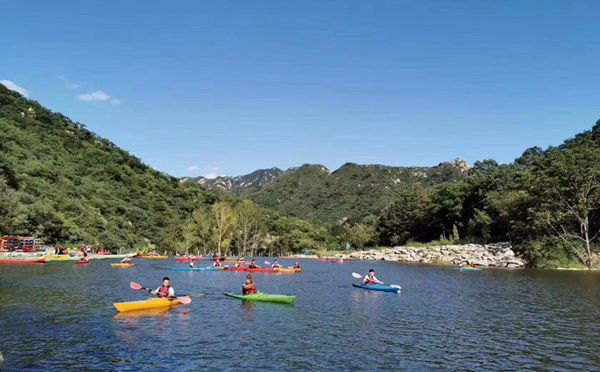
351 192
64 184
240 184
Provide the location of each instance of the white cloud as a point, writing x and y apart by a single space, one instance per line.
97 96
210 176
14 87
193 168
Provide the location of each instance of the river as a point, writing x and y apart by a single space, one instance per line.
60 316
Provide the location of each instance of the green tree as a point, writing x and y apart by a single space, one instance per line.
224 224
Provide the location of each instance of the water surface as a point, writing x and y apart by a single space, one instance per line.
60 316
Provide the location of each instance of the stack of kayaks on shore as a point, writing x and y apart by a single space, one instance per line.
264 297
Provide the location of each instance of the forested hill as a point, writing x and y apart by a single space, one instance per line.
63 183
351 193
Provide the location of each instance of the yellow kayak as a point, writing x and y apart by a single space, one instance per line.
122 265
153 257
151 303
290 271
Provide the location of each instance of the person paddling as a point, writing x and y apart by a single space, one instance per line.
370 279
276 265
253 265
126 260
249 287
165 290
297 266
192 264
217 263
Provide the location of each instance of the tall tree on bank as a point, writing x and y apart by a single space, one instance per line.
224 223
250 229
569 189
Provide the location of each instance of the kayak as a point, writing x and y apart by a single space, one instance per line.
330 261
264 297
151 303
153 257
24 262
378 287
198 268
261 270
189 259
82 262
468 269
122 265
289 271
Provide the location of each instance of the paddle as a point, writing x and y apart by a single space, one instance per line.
267 262
184 299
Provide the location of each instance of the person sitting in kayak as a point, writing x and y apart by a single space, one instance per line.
249 287
126 260
297 266
370 279
192 264
85 257
253 265
165 290
217 263
276 265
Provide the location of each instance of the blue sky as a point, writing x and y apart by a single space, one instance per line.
227 87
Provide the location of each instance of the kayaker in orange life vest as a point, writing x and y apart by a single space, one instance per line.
165 290
370 279
249 287
253 265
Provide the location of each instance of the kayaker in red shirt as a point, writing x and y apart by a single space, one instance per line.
249 287
217 264
370 279
276 265
165 290
253 265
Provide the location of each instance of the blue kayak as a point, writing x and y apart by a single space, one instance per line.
197 269
378 287
468 269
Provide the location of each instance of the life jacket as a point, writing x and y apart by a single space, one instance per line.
370 281
296 266
164 291
217 263
276 266
253 266
249 289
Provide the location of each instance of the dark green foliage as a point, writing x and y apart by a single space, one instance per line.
63 183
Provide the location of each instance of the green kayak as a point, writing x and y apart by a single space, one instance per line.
264 297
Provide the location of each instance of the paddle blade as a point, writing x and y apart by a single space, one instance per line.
135 286
267 262
357 275
185 300
396 286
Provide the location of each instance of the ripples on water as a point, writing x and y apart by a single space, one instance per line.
60 316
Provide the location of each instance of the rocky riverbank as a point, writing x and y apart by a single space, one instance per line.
492 255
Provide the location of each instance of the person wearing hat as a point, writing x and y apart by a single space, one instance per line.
249 287
165 290
370 279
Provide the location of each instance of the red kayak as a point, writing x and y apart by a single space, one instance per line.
24 262
82 262
330 261
261 270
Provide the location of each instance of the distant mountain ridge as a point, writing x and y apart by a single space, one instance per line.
351 192
239 184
